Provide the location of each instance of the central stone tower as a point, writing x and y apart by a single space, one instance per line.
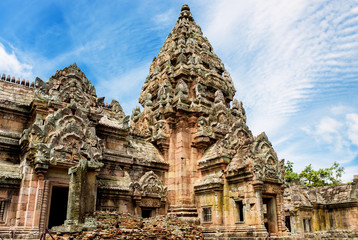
186 99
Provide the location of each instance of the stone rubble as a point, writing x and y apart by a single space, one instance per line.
114 225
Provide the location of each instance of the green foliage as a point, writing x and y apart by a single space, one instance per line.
290 175
315 178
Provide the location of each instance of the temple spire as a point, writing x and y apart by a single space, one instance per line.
187 56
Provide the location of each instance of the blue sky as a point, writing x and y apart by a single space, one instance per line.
294 63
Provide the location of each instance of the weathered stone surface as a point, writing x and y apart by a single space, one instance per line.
329 209
112 225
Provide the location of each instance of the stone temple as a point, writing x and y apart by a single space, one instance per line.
65 154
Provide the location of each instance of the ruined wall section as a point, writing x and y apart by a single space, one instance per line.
322 209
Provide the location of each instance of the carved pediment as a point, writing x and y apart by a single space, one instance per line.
149 185
64 138
66 86
267 158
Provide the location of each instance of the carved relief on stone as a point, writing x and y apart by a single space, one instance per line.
262 148
115 117
136 114
181 89
69 85
203 127
41 92
271 167
148 104
161 130
219 98
238 110
149 185
257 168
152 185
143 123
65 137
150 202
165 92
200 91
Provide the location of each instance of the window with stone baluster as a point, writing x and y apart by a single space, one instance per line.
206 214
2 211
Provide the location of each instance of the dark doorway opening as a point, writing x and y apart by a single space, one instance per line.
147 213
288 223
270 214
58 209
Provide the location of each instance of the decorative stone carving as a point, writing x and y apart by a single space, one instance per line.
69 85
149 185
181 89
65 137
203 127
152 185
161 130
262 148
238 110
219 98
115 117
165 92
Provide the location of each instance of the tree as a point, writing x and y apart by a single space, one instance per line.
316 178
290 175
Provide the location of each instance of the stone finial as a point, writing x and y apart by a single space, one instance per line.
13 79
185 13
32 85
23 81
3 77
18 80
185 7
8 78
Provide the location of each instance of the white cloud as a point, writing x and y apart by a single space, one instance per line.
352 123
125 88
338 130
10 64
164 19
279 51
290 61
349 172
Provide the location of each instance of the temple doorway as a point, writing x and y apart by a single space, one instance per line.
148 212
270 214
58 206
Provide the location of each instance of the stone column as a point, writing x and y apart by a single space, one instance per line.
137 208
218 207
77 183
280 213
259 202
44 205
39 200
